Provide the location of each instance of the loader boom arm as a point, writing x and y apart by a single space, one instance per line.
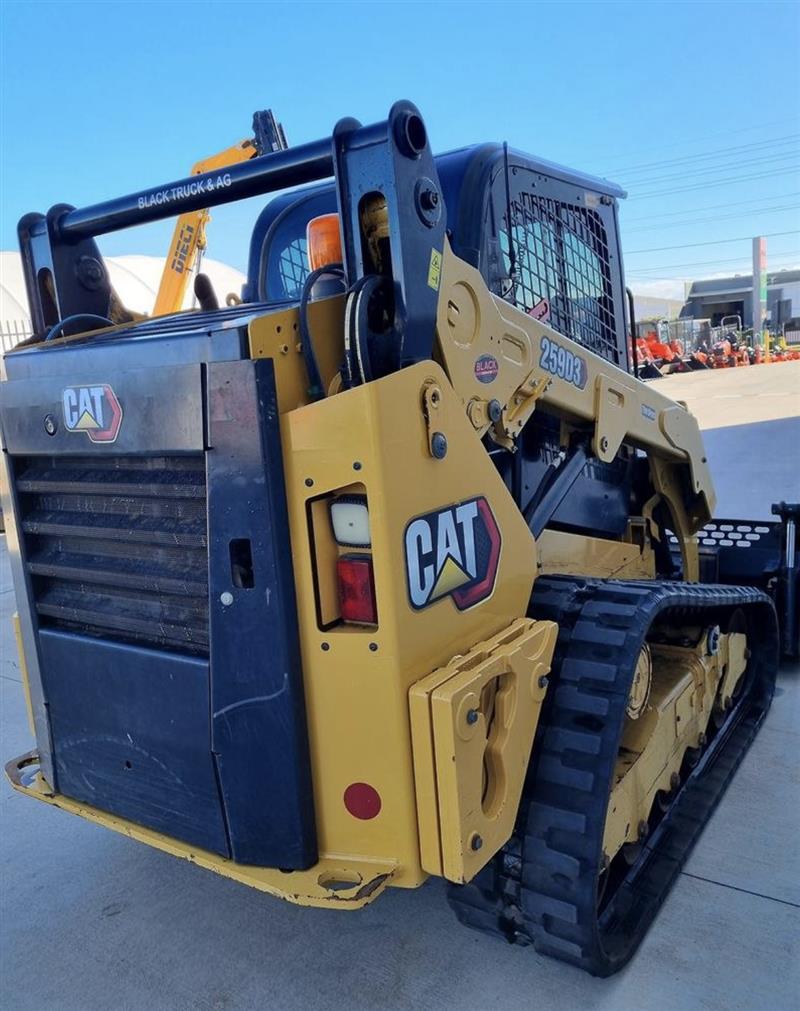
536 365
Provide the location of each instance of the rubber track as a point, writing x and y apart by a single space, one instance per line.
542 887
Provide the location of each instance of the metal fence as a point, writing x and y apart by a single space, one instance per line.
692 333
699 334
12 331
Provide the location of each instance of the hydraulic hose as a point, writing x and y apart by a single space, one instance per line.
54 331
358 363
315 390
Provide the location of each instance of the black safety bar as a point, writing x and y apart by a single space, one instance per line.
267 173
68 284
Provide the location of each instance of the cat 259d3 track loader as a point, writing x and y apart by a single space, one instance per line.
392 569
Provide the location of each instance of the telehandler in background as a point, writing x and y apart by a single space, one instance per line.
393 569
189 235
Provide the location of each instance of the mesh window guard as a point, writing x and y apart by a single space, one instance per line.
561 255
293 267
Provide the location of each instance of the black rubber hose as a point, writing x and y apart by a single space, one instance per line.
356 335
53 332
315 390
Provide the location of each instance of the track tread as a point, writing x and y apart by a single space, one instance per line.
541 888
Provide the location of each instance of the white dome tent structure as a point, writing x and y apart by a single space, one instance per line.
134 278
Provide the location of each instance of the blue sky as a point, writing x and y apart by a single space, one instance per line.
693 107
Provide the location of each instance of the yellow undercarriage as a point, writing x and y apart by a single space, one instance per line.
673 697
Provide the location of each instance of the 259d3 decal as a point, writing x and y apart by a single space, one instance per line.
452 552
93 410
562 362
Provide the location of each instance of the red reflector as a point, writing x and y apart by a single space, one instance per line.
362 801
357 589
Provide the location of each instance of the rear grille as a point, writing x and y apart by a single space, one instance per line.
117 547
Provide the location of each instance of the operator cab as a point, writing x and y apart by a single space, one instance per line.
560 261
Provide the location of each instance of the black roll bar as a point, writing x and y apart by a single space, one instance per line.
389 162
265 174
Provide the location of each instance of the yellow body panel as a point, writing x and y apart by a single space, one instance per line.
579 555
357 679
276 336
473 723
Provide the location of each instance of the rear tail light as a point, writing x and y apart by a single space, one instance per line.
357 589
350 521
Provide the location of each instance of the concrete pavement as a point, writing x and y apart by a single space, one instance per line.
91 920
751 422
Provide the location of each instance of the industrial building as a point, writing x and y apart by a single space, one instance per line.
733 296
652 307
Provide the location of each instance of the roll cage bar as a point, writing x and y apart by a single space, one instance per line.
65 275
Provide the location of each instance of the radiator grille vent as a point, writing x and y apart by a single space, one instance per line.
116 547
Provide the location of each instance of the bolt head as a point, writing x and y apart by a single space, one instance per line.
439 445
476 842
226 599
495 410
472 716
50 424
429 199
90 272
544 681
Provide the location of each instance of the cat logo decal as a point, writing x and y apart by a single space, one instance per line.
94 410
453 552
